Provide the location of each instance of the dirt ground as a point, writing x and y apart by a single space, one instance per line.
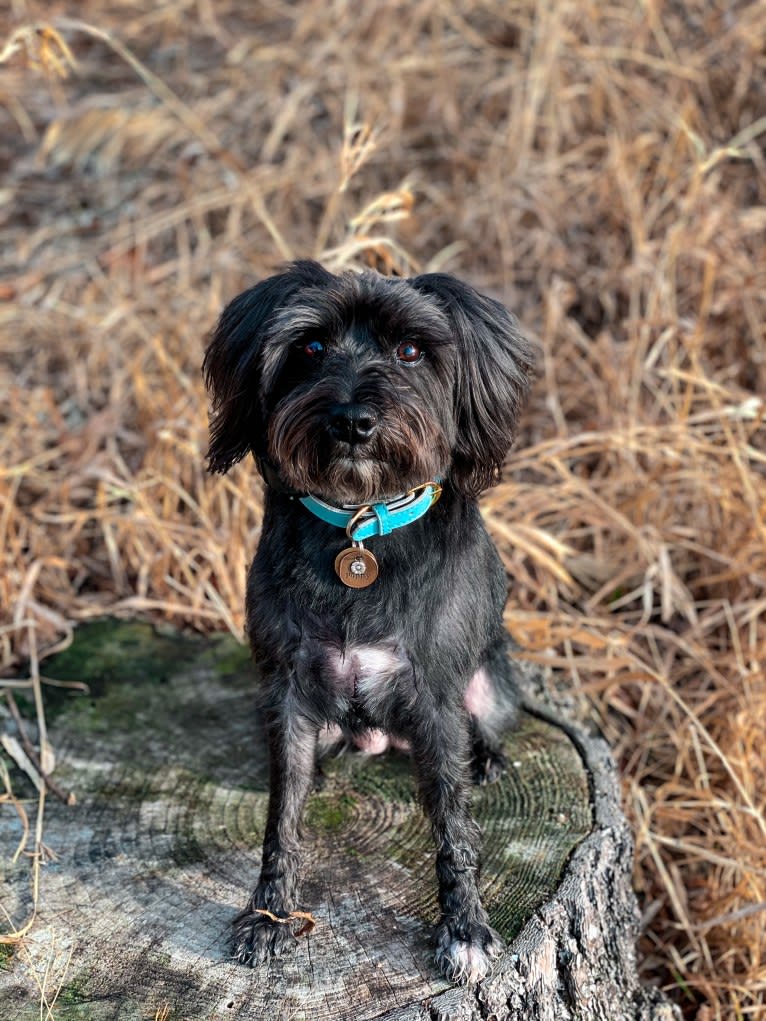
598 167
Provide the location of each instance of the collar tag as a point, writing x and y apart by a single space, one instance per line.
356 566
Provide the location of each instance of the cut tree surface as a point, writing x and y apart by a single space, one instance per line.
167 759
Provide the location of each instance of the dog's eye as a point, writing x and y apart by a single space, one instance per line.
408 353
313 348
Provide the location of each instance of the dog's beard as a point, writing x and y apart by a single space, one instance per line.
408 448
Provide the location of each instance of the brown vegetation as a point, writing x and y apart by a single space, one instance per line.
598 166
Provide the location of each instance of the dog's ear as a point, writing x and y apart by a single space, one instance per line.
232 364
494 365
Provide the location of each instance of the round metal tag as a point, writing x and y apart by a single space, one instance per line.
356 567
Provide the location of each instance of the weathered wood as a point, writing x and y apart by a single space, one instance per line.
168 763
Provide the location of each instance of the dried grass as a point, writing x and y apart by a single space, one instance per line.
600 167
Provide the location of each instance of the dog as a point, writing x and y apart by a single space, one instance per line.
374 610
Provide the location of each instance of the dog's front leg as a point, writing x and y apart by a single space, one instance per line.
292 752
465 941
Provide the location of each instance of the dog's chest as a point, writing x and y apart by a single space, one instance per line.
364 672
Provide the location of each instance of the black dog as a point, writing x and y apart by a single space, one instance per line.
371 395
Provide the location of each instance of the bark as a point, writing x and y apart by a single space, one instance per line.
167 760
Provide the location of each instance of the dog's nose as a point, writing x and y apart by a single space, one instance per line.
353 423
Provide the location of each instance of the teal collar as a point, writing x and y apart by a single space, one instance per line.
363 521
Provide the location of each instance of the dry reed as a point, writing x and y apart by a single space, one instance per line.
598 166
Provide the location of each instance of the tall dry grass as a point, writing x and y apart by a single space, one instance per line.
601 168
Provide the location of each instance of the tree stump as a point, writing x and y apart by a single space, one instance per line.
167 759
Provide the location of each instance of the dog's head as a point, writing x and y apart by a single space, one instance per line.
357 387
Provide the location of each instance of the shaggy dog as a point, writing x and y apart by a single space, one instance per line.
364 399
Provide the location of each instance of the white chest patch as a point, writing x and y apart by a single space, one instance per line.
363 670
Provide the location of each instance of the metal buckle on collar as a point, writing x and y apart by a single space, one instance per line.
366 509
409 497
437 490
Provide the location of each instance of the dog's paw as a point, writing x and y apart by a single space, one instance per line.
255 938
465 955
487 765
